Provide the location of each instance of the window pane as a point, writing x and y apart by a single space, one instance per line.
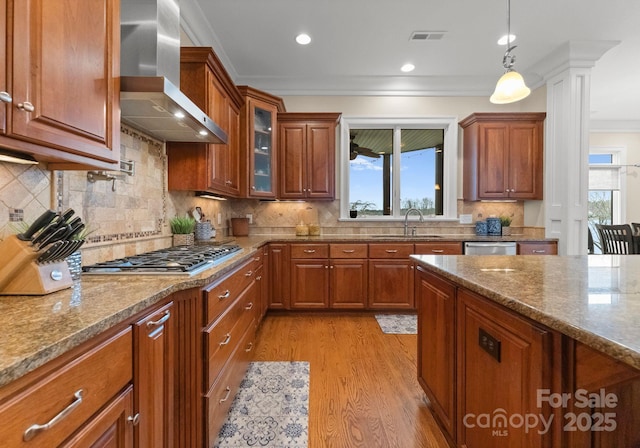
421 183
370 171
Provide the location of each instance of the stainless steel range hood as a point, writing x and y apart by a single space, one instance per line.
150 96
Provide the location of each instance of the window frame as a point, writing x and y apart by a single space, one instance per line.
450 159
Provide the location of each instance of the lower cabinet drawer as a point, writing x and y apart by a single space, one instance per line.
220 294
344 250
388 250
218 399
68 397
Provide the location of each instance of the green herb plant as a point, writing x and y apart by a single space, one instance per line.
182 225
505 221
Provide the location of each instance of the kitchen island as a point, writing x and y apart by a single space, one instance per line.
531 351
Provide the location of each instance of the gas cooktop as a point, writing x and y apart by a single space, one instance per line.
180 260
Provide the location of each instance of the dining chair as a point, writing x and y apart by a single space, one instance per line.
616 238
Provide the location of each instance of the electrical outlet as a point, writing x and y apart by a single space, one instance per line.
219 219
465 219
249 216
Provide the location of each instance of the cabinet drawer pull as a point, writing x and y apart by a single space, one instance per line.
256 259
309 251
249 306
5 97
248 274
249 347
26 106
36 429
437 251
224 295
539 251
156 323
348 251
391 251
226 397
227 339
133 420
259 277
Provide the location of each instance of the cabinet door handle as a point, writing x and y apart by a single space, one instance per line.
156 323
26 106
539 251
437 251
228 182
133 420
253 188
5 97
227 338
36 429
248 274
259 277
348 251
391 251
309 251
249 347
224 295
226 397
249 306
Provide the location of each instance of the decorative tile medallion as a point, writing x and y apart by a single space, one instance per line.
398 323
271 408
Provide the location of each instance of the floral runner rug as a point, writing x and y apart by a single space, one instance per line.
271 409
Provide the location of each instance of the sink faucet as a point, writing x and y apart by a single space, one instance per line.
406 220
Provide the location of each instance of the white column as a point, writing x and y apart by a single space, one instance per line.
567 73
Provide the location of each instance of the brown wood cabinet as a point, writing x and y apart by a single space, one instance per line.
213 168
258 127
348 276
515 362
435 300
307 155
153 377
391 275
439 248
309 276
503 156
60 81
537 248
74 390
279 273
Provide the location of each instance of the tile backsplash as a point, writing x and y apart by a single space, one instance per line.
129 214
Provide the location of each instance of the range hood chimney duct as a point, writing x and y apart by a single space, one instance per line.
150 96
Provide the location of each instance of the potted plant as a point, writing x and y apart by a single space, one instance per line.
182 228
505 222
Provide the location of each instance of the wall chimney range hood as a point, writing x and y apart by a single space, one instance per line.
150 96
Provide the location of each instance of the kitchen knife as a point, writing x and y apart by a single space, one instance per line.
57 255
71 224
58 222
69 249
75 231
42 221
56 235
52 249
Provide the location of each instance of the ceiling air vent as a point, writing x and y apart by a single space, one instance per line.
427 35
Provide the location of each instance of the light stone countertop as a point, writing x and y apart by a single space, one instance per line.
594 299
37 329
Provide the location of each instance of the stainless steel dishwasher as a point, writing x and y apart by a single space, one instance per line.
489 248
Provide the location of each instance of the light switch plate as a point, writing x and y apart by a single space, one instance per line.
219 218
465 219
249 216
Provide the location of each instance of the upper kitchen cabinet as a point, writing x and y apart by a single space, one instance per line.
503 156
258 126
60 81
213 168
307 155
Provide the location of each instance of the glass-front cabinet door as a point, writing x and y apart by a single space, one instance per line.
261 159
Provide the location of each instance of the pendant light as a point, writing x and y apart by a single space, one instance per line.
510 87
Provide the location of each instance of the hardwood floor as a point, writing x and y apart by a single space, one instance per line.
363 386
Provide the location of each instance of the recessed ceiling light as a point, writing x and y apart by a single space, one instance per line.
407 67
503 39
203 132
303 39
179 114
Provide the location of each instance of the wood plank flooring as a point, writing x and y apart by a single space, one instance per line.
363 386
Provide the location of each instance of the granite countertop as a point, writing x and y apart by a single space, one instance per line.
594 299
37 329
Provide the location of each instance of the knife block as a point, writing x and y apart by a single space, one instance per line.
21 275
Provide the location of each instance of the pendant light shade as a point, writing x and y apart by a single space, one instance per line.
510 87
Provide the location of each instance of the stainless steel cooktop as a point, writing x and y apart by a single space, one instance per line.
177 260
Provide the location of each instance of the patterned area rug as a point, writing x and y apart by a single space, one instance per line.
271 408
398 323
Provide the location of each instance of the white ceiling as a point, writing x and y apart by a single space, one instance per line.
359 45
